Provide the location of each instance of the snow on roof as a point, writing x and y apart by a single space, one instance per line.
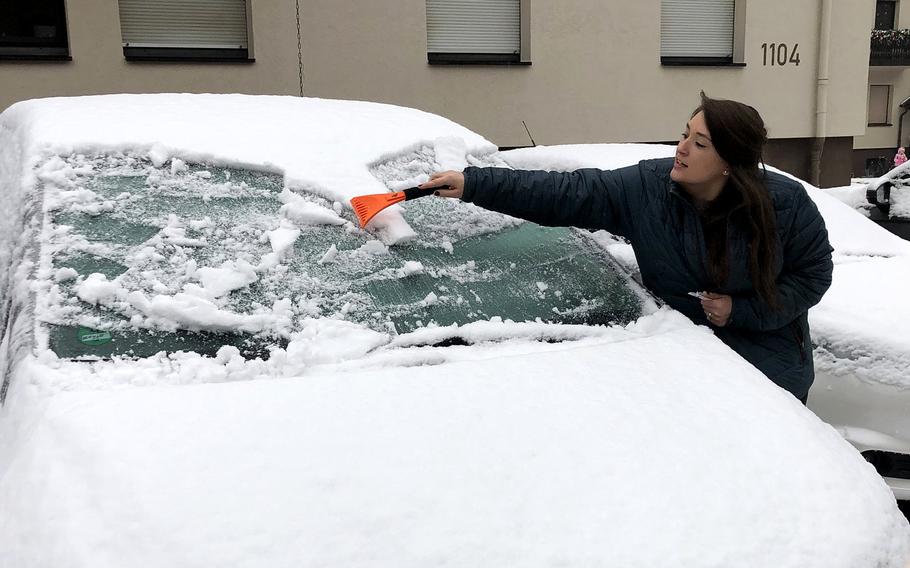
324 146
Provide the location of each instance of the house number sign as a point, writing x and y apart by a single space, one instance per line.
779 54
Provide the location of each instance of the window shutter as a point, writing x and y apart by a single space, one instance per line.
184 23
473 26
879 96
696 28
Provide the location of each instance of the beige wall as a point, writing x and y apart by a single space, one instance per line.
595 73
98 65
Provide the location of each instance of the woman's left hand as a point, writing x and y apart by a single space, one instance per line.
717 308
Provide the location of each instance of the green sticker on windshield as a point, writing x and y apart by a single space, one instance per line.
93 337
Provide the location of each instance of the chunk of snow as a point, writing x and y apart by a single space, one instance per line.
303 212
329 255
282 238
159 155
227 353
65 273
188 311
374 247
230 276
451 152
411 267
96 288
177 166
430 299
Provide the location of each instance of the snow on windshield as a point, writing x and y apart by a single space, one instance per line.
139 257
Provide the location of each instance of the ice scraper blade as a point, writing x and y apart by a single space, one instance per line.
367 206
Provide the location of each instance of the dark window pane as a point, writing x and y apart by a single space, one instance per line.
32 23
884 14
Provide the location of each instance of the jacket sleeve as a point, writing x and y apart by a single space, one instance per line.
587 198
805 275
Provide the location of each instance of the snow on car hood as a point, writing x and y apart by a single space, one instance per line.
860 326
629 452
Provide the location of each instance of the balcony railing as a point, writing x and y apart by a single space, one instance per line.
890 47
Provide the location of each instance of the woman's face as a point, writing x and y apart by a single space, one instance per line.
697 162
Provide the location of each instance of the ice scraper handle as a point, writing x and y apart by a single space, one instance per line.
415 192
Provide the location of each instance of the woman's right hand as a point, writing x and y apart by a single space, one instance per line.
452 181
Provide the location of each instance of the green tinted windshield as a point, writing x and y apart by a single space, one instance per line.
182 257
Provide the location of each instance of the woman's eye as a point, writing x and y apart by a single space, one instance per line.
700 145
683 135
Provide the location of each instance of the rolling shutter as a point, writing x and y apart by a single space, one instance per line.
879 101
473 26
184 23
696 28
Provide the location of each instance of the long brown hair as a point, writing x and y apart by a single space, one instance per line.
739 136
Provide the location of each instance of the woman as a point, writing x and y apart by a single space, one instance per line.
707 220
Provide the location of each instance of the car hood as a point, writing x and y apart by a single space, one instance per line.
656 443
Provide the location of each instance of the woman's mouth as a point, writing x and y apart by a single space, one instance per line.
679 165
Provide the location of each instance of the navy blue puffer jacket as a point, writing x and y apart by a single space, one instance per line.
644 205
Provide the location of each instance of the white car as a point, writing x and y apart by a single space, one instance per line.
206 362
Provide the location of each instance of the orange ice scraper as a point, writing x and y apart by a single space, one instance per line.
367 206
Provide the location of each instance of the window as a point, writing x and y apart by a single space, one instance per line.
33 29
184 30
885 11
701 32
476 31
879 105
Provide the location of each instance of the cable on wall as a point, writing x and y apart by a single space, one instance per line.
299 49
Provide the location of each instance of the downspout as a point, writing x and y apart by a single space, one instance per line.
821 95
900 126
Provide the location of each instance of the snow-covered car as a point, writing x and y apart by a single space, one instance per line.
207 362
885 199
860 329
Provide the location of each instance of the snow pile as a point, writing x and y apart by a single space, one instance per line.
527 458
863 321
568 157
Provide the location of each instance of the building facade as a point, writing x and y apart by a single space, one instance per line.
889 91
574 71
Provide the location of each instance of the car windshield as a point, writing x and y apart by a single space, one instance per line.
147 258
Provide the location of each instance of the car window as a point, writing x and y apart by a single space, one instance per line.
191 257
